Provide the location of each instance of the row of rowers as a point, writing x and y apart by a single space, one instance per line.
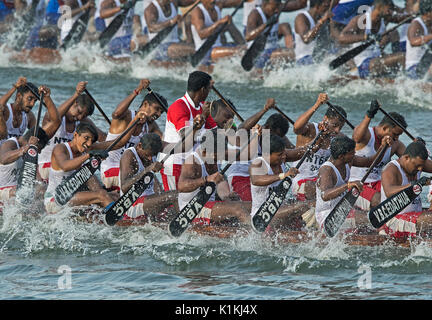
336 164
300 40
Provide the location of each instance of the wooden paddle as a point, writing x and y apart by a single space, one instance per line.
228 104
337 216
340 114
257 47
359 49
269 208
109 32
26 179
98 106
23 25
68 187
157 40
163 105
77 31
284 115
208 44
183 219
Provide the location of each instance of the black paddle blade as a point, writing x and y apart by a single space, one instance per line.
337 216
116 212
268 209
389 208
27 177
180 223
254 51
68 187
349 55
155 42
77 32
206 46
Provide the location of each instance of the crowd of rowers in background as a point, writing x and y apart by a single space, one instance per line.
68 138
317 31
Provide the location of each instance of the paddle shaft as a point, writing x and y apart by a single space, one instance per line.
36 130
98 106
309 149
397 123
228 165
228 104
374 163
163 105
284 115
112 145
340 114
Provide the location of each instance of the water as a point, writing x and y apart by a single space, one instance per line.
55 257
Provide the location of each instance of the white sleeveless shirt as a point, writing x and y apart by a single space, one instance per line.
304 49
357 173
173 36
12 131
185 197
260 193
57 176
416 205
414 54
150 190
273 38
323 208
207 23
126 27
67 26
9 172
61 136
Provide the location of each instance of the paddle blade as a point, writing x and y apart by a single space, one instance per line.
155 42
337 216
392 206
349 55
68 187
206 46
116 212
27 177
268 209
77 32
180 223
254 51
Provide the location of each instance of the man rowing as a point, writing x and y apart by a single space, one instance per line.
368 140
121 118
160 14
78 8
332 123
77 109
135 162
206 19
261 18
181 117
307 27
13 149
68 157
334 179
419 37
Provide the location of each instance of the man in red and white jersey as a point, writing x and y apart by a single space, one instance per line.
189 110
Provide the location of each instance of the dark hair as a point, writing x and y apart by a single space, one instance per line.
277 122
28 87
84 127
151 99
217 104
198 80
341 145
266 1
416 149
331 113
425 6
41 135
85 101
398 117
211 139
151 141
315 3
276 144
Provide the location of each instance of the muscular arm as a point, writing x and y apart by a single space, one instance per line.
352 33
361 134
60 159
302 27
190 177
54 122
391 180
198 21
128 170
258 174
416 35
151 17
326 184
294 5
108 9
255 26
9 152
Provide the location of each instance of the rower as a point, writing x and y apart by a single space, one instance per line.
78 108
267 171
411 7
12 150
368 140
135 162
201 167
17 117
125 40
121 118
68 157
181 115
334 180
419 37
159 15
307 30
371 62
398 175
257 22
77 7
206 18
304 183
